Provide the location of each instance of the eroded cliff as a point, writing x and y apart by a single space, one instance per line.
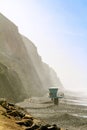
25 73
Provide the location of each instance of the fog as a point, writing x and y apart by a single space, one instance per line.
58 29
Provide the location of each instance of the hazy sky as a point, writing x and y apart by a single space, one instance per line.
59 30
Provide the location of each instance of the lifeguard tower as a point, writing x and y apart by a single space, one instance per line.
53 94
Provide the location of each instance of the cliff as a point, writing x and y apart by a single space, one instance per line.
10 85
46 74
25 74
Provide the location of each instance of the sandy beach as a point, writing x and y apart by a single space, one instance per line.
65 115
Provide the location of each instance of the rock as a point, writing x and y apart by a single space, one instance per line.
37 121
5 105
54 128
2 100
11 104
43 128
33 127
28 117
16 113
24 122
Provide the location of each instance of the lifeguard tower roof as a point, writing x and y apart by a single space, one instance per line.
53 87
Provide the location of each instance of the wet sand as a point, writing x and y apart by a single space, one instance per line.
65 115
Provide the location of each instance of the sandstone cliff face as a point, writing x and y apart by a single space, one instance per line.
25 70
46 74
10 85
